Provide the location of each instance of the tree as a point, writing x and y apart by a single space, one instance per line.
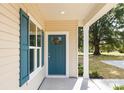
104 33
119 14
101 32
107 33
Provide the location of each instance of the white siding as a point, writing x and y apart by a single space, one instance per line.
9 48
9 45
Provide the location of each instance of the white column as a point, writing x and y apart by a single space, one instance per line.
86 52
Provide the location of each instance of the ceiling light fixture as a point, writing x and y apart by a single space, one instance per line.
62 12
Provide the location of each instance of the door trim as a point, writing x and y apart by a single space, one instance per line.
66 33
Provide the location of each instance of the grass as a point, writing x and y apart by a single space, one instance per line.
105 70
116 53
118 87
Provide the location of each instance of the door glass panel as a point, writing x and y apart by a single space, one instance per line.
31 60
57 40
32 34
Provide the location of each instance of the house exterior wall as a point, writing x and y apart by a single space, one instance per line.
9 48
71 27
10 51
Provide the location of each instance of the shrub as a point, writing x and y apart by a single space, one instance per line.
80 69
118 87
95 74
121 51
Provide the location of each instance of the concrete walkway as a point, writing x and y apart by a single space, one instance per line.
116 63
79 84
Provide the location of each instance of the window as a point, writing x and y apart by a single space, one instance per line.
39 33
35 47
32 34
31 60
30 48
38 57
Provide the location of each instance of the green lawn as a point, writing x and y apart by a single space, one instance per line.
105 70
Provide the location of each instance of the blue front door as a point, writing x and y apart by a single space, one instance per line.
56 54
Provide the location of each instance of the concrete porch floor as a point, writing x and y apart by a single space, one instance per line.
79 84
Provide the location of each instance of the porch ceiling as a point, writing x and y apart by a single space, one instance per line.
82 12
72 11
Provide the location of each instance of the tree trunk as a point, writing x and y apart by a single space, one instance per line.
97 48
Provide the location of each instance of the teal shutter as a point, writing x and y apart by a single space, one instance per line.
24 47
42 48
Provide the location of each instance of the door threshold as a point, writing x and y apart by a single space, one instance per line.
57 76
